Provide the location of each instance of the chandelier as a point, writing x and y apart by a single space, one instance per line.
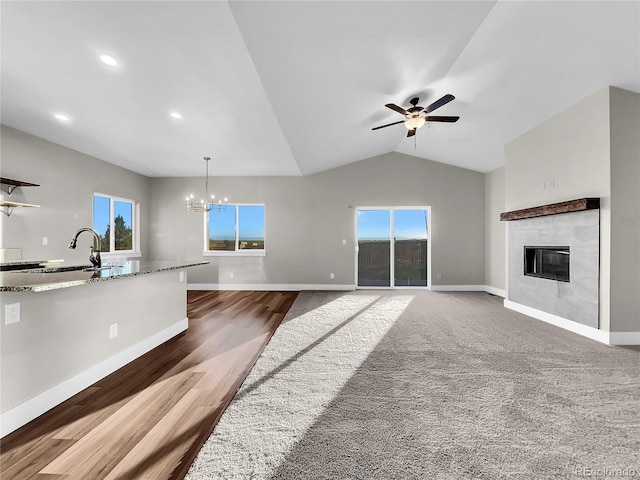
202 206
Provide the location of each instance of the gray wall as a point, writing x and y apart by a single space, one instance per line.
625 210
67 180
590 150
307 218
565 158
494 230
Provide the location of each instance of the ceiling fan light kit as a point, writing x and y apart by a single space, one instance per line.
414 122
417 116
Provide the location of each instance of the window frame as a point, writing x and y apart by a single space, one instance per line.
135 226
237 252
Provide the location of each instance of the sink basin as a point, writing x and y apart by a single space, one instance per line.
20 266
70 268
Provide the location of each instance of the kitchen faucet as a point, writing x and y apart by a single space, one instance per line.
94 257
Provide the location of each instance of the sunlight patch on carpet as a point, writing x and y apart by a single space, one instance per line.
304 366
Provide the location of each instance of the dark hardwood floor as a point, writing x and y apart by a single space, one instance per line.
149 419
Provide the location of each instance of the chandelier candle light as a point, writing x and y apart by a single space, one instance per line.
202 206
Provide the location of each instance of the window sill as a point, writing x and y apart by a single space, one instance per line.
119 255
237 253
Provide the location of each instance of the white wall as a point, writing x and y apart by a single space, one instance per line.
565 158
625 210
495 253
569 151
590 150
67 180
307 217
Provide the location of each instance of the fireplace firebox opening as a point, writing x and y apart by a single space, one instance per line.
549 262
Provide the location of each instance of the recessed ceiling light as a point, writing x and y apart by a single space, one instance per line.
175 115
109 60
62 117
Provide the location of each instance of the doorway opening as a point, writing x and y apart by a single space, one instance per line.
393 247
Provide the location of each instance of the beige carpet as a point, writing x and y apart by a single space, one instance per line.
403 385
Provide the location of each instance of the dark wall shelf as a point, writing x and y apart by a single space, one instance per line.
11 186
578 205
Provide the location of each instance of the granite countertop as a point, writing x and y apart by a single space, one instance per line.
22 264
52 278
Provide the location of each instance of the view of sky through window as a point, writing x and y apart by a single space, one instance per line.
410 224
246 222
122 222
251 222
101 214
376 224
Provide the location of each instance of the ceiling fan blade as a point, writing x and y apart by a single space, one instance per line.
436 118
398 109
438 103
387 125
411 132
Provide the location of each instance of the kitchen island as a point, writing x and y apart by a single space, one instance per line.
51 276
64 328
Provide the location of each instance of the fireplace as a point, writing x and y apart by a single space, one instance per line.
554 260
547 262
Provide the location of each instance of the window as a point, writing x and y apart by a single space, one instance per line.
235 230
115 221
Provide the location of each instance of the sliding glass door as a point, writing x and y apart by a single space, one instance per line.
392 247
410 248
374 248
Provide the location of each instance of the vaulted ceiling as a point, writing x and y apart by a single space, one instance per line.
295 87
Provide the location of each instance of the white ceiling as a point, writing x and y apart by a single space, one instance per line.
294 87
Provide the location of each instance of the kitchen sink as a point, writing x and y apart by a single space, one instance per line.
97 269
20 266
70 268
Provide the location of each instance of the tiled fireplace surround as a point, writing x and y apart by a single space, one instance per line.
576 300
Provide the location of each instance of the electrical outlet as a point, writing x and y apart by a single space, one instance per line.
45 241
11 313
230 274
331 275
113 331
439 276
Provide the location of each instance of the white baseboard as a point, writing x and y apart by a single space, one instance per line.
294 287
457 288
280 287
495 291
25 412
624 338
584 330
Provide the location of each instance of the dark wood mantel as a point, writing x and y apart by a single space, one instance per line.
552 209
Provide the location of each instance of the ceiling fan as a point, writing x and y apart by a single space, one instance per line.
417 116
